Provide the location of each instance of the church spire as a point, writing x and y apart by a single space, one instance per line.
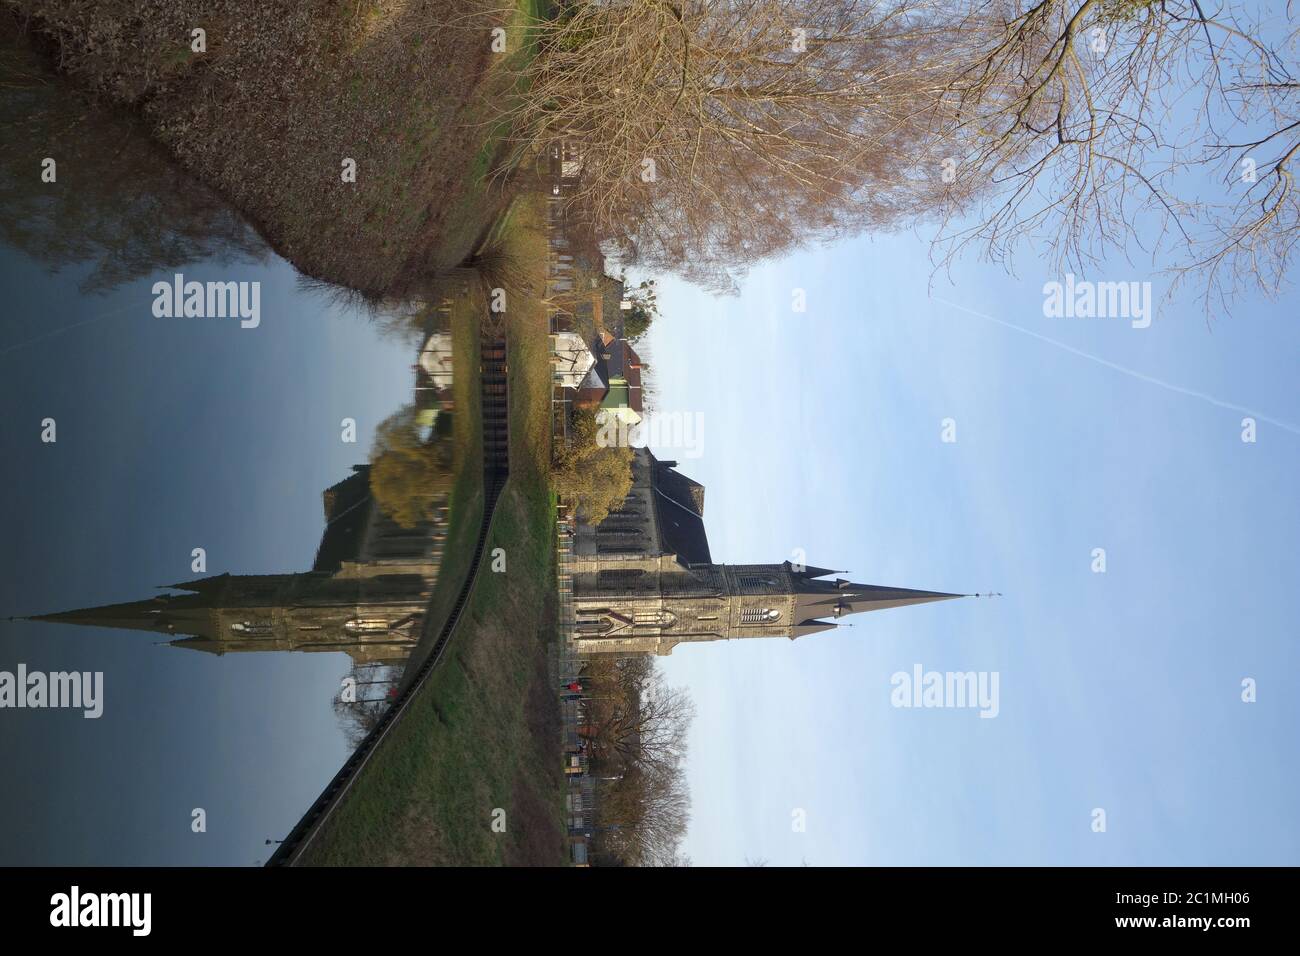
816 599
156 614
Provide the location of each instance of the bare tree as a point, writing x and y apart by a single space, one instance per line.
638 739
1095 123
715 134
643 816
647 723
365 695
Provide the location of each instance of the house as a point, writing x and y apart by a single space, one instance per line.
615 385
433 379
571 360
436 360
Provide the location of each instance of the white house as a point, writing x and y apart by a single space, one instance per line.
571 360
436 359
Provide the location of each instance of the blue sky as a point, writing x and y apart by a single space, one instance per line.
1119 690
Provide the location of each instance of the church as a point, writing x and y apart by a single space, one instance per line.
643 580
365 594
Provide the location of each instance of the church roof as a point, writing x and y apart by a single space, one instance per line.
685 491
679 507
342 495
347 510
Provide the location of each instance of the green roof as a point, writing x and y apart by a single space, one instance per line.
616 397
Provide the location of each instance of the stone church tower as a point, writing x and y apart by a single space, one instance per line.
365 594
644 582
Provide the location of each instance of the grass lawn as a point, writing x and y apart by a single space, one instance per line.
482 735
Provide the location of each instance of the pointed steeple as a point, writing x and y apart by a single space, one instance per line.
157 615
809 572
816 599
208 585
204 644
811 626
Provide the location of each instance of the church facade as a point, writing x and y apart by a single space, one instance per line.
643 579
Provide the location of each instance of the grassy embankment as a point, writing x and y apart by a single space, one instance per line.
482 732
466 499
284 95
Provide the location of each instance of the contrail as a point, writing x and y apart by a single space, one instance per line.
1133 373
68 328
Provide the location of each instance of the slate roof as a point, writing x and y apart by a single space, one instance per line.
679 507
347 510
593 381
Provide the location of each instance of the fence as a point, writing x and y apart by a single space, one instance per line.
565 663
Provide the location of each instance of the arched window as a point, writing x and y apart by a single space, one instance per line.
759 615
